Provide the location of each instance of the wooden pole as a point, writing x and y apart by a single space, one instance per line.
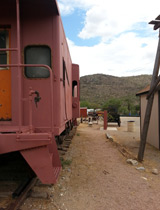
154 88
149 105
105 120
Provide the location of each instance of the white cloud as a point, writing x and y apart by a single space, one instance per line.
120 51
65 9
68 6
123 56
107 19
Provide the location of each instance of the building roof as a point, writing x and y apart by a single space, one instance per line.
147 89
143 91
49 5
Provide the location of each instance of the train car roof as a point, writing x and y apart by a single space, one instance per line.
52 4
55 5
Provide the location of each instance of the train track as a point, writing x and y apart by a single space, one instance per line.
11 198
63 148
20 194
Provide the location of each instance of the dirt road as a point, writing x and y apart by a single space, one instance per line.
97 177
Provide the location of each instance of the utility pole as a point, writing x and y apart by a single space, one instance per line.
154 82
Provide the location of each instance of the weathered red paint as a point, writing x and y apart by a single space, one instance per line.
32 129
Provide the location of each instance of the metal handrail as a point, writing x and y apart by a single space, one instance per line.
8 49
19 65
51 84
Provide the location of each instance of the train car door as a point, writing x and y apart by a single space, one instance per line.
5 77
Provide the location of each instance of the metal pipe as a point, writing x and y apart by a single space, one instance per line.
19 62
8 49
31 92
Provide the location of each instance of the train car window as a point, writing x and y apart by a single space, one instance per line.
37 55
74 89
4 43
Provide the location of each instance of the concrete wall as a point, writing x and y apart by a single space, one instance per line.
153 131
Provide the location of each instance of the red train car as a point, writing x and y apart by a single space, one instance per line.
39 85
83 112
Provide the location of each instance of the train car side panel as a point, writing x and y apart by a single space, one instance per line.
75 93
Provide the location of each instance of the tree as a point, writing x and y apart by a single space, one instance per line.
125 106
94 106
129 103
85 104
112 102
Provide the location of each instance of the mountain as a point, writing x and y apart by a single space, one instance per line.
98 88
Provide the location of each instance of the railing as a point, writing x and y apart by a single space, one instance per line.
51 85
8 49
18 49
19 66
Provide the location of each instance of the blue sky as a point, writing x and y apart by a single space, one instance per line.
73 24
111 37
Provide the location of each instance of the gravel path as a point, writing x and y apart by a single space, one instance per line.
99 178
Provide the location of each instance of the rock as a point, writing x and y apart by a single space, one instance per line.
155 171
144 178
132 162
109 137
140 168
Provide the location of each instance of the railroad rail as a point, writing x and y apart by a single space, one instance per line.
21 192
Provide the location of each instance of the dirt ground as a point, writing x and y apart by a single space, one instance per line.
96 175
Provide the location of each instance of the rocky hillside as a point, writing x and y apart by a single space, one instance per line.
99 88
